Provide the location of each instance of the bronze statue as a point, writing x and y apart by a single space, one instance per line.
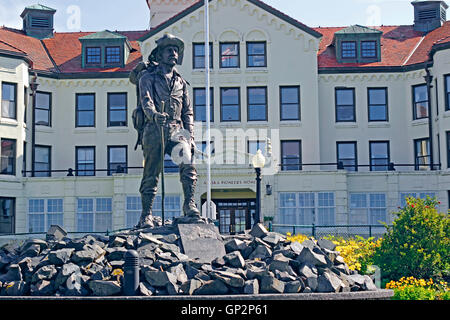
164 121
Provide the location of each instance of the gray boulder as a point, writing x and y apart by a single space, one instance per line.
293 286
13 274
61 256
259 231
104 288
115 253
229 278
159 278
212 287
251 287
44 273
146 289
270 284
329 282
42 288
326 244
234 259
260 252
16 288
308 256
190 286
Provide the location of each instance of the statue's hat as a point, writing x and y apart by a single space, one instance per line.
166 40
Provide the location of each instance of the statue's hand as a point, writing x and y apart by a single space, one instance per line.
160 118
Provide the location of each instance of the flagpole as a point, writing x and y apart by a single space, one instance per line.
208 113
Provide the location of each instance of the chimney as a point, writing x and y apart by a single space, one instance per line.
38 21
161 11
429 15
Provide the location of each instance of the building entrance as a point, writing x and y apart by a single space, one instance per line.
235 215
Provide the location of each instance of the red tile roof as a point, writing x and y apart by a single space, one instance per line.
31 46
400 46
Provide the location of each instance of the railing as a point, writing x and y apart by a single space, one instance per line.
346 231
332 166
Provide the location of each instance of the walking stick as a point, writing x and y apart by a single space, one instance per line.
162 166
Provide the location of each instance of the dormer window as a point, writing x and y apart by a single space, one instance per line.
104 49
368 49
93 55
358 44
348 49
38 21
112 54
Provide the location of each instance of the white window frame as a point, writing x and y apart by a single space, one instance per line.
45 213
315 207
133 208
367 208
422 194
96 214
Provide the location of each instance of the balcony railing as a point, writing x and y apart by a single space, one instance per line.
299 167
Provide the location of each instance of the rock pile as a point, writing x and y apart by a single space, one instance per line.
255 262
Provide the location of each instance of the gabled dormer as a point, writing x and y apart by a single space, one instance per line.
104 49
38 21
358 44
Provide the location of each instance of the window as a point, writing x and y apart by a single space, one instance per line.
448 148
200 104
290 103
117 109
300 208
7 215
24 160
25 102
85 161
291 155
117 159
447 92
85 110
172 208
379 155
112 54
347 154
42 161
377 102
367 208
43 108
9 100
421 195
230 108
199 55
202 147
94 214
348 49
8 157
256 54
420 100
93 55
42 213
229 55
368 49
422 154
257 104
254 146
345 105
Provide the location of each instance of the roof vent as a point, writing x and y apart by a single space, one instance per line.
38 21
429 15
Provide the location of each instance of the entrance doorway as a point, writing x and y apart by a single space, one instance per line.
235 215
7 215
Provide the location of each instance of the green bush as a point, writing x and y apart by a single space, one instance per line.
414 293
417 244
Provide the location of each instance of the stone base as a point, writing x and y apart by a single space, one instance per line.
191 220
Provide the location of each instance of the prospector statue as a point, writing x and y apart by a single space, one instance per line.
164 120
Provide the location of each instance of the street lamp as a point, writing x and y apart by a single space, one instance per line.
258 162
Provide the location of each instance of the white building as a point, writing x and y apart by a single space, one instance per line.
346 110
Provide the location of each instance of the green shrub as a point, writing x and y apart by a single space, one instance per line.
417 244
414 293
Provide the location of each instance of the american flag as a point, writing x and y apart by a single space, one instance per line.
228 53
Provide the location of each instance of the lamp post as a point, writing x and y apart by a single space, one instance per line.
258 162
33 86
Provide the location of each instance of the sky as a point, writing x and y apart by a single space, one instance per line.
125 15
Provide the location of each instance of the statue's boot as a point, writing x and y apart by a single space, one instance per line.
146 220
189 207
